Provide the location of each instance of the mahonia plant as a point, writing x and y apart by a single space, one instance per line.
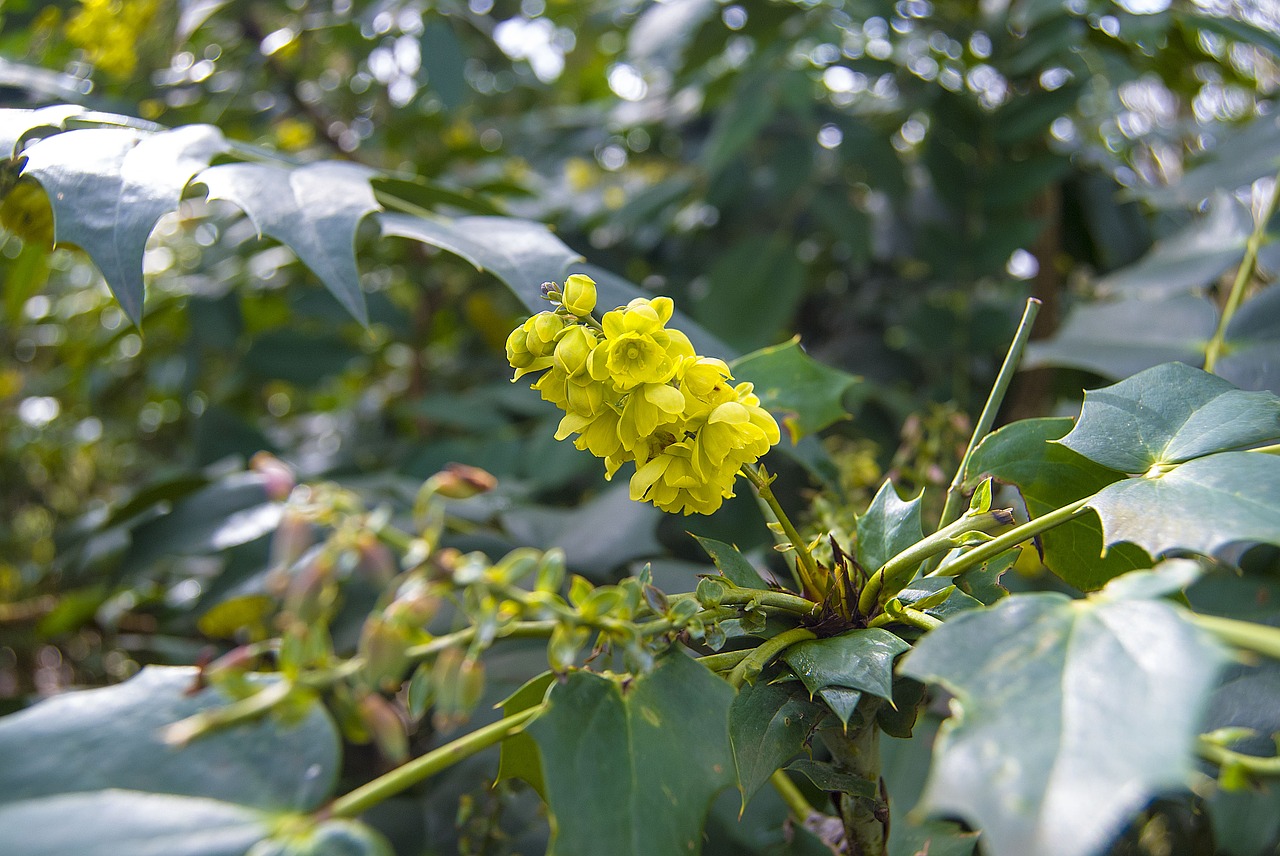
633 389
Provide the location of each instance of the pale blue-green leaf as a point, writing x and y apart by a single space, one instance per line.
312 209
328 838
1244 156
109 186
521 253
1191 258
888 527
807 395
858 660
768 725
1168 577
1251 359
43 83
632 771
1070 717
1118 338
1169 414
114 735
15 124
120 822
1204 505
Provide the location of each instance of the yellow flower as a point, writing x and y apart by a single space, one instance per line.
531 346
649 406
579 294
670 482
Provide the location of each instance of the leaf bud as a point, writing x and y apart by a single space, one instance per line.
563 646
711 592
277 476
385 726
682 610
293 535
579 294
461 481
551 571
383 646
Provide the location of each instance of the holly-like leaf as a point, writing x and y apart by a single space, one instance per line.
888 527
1050 476
518 756
109 186
732 564
114 822
1251 358
829 777
312 209
842 701
16 124
631 769
1203 505
113 738
1169 414
807 394
1071 716
768 724
859 660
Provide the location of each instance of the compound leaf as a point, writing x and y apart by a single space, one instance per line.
631 769
109 186
1071 716
313 209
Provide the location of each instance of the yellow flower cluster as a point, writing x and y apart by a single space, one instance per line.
108 31
633 390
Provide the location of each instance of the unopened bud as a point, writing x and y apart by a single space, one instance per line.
293 535
278 478
579 294
386 727
375 561
383 647
460 481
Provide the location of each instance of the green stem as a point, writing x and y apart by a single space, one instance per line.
724 661
260 703
810 578
753 664
895 573
906 615
1258 765
370 794
780 600
801 808
955 493
516 630
1012 538
1261 638
1244 275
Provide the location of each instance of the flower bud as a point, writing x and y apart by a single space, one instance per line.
386 727
573 349
278 479
383 647
460 481
579 294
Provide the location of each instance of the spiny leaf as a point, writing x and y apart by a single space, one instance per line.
888 527
109 186
313 209
859 660
808 394
1203 505
1049 476
732 564
16 124
635 766
1169 414
768 724
1071 716
518 758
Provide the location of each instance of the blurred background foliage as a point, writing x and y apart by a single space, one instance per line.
889 180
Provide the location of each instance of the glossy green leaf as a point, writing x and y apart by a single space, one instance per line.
518 755
114 735
829 777
859 660
339 837
312 209
842 701
631 769
109 186
888 527
117 822
732 564
1118 338
1203 505
1070 717
768 725
1170 414
932 838
807 394
1050 476
15 124
938 596
1166 578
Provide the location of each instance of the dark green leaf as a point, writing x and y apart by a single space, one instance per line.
1071 717
313 209
1118 338
842 701
109 186
1164 579
931 594
740 123
426 195
859 660
443 62
768 725
888 527
827 777
807 394
732 564
754 287
114 735
1050 476
932 838
1170 414
518 758
1203 505
117 822
633 770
